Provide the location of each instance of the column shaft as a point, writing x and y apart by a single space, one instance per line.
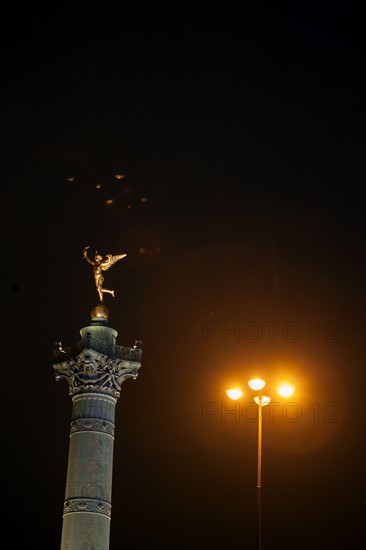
88 496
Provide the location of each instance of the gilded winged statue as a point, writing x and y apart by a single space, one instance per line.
101 264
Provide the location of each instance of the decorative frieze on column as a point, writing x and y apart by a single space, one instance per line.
93 371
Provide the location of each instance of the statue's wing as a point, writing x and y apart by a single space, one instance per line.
111 260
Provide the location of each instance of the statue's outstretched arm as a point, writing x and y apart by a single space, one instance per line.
85 254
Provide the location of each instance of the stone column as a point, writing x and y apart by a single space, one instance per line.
95 369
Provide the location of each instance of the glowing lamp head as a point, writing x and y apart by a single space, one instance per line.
264 400
286 390
234 393
256 384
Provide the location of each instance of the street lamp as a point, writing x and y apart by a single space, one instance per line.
257 384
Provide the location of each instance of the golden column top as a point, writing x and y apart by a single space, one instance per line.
99 312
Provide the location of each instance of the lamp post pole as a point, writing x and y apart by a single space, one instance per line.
259 477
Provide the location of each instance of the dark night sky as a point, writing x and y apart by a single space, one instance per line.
244 132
